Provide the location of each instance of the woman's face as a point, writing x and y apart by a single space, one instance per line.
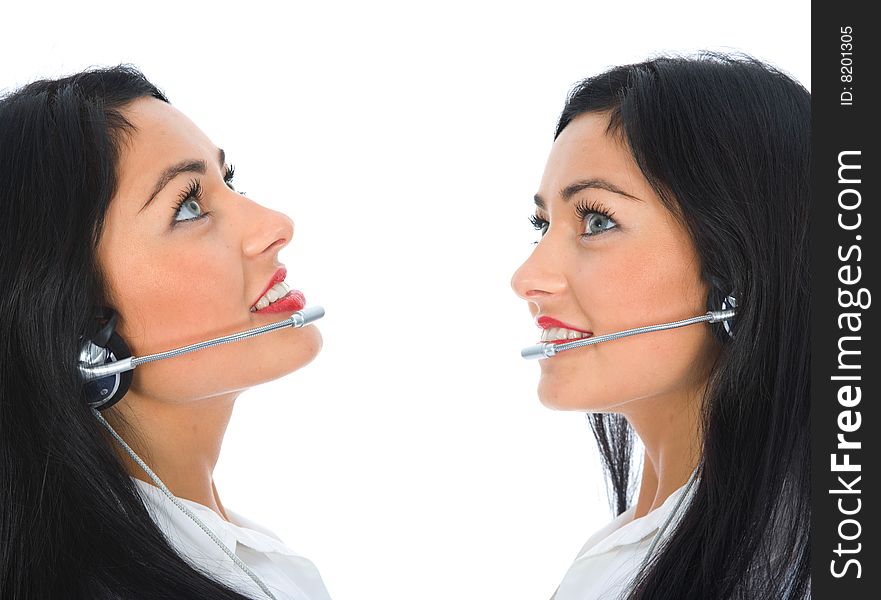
176 280
612 257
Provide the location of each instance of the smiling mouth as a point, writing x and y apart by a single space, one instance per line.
560 335
279 298
273 294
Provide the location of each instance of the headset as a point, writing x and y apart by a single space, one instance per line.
724 315
103 346
106 362
105 367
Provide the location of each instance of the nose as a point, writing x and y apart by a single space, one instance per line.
268 230
541 275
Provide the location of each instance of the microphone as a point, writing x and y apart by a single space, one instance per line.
91 372
548 349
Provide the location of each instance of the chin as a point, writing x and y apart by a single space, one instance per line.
285 355
570 397
558 397
309 344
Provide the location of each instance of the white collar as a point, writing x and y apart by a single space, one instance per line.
624 530
238 530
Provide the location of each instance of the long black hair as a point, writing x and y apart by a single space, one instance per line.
72 524
725 142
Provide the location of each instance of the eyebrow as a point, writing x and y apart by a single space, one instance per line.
594 183
184 166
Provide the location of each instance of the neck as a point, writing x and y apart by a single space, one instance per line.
669 428
179 442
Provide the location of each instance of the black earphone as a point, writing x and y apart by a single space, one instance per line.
730 302
103 346
718 300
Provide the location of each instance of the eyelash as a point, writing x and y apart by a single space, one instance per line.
582 209
194 192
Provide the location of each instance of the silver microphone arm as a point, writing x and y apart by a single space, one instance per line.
548 349
298 319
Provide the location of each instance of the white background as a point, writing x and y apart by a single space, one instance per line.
411 459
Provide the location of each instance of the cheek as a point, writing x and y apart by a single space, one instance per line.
638 283
168 297
622 288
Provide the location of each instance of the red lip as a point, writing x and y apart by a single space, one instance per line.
550 323
291 302
277 277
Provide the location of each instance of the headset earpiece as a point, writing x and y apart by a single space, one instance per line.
730 302
718 300
101 347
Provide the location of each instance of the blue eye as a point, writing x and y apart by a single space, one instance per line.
596 218
190 200
597 223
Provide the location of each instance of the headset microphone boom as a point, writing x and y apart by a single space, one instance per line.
548 349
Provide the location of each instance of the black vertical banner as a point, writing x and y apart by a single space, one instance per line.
845 255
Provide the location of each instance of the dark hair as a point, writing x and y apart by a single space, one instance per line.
724 140
72 524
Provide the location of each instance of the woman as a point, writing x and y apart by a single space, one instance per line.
675 187
120 217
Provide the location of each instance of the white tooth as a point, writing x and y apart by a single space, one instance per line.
262 303
277 291
560 333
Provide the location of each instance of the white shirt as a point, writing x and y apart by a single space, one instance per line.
611 557
289 575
